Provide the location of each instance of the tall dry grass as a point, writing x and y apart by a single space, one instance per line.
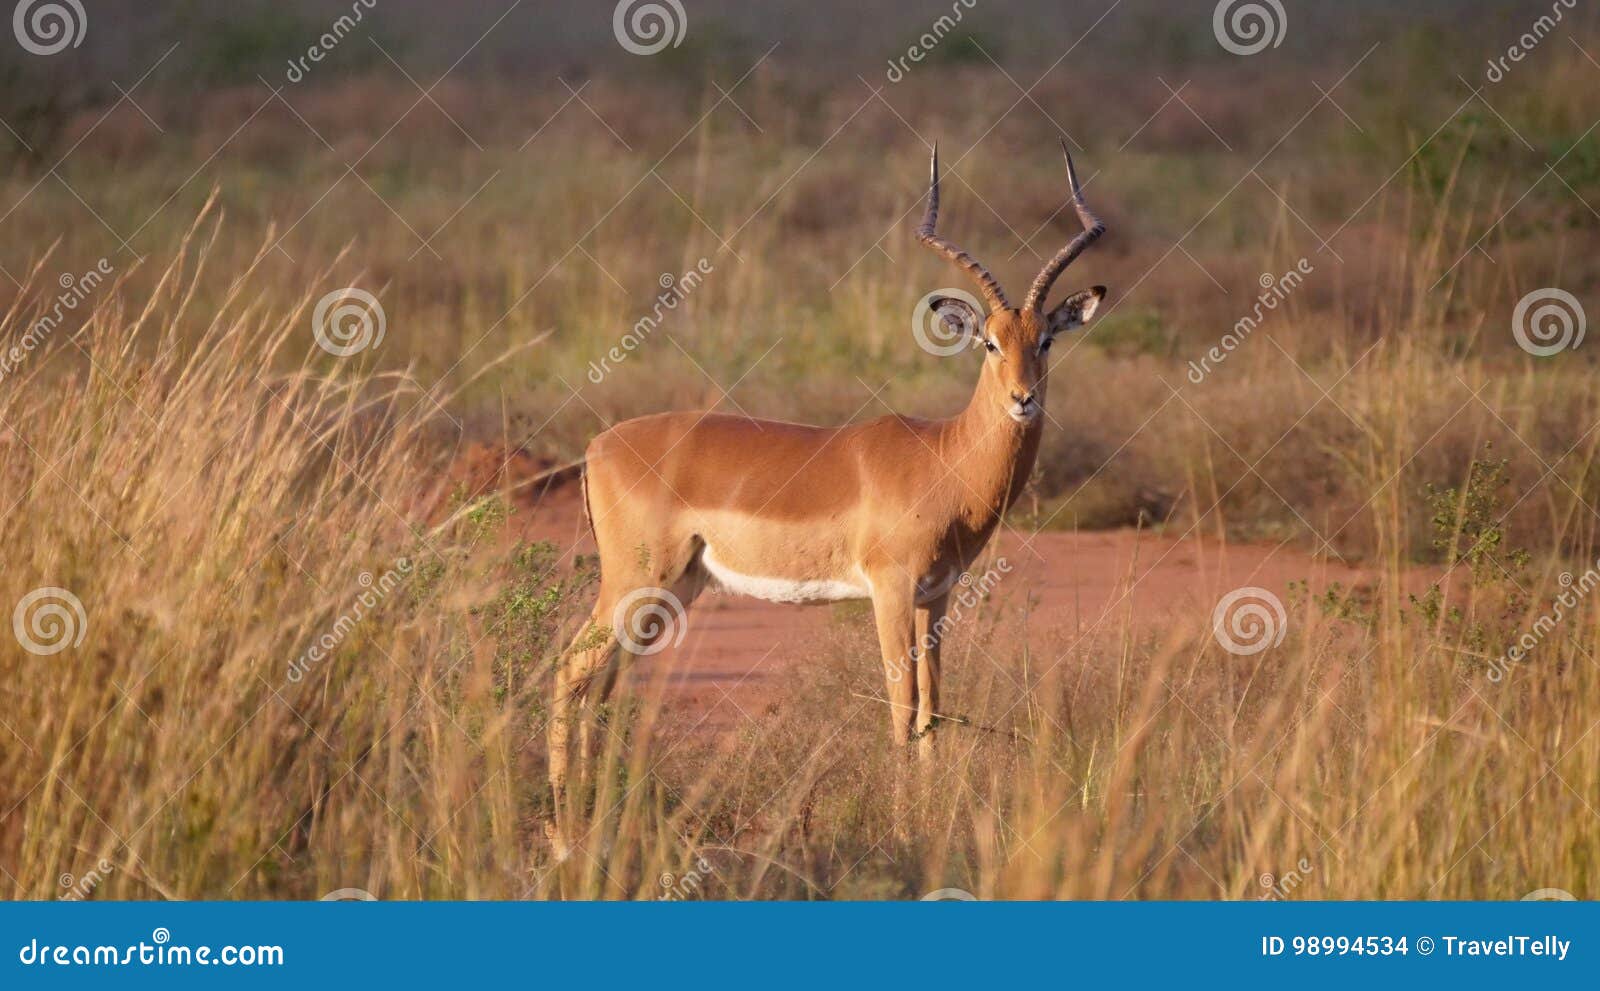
213 488
218 518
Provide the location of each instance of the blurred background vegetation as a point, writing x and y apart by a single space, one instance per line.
510 170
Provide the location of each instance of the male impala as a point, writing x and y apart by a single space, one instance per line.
887 510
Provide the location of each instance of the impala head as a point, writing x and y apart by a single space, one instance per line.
1016 340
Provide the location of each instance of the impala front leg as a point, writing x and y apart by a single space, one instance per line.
929 634
894 609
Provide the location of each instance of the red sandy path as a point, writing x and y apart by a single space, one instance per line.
735 646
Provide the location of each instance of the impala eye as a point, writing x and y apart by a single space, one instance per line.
1044 345
991 346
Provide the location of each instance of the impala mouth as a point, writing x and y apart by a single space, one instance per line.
1025 410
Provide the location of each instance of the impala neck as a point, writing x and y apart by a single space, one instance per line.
992 453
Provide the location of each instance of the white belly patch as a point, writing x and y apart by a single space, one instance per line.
725 579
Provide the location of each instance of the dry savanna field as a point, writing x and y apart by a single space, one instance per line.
303 302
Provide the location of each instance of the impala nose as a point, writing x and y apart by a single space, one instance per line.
1025 406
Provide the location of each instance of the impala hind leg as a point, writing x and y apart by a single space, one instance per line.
591 652
646 619
635 609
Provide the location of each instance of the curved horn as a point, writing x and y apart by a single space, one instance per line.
992 292
1092 229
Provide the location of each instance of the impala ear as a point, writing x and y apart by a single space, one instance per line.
960 318
1075 310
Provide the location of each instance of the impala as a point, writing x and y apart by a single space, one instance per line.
889 510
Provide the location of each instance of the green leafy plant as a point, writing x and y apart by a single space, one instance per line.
1468 528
